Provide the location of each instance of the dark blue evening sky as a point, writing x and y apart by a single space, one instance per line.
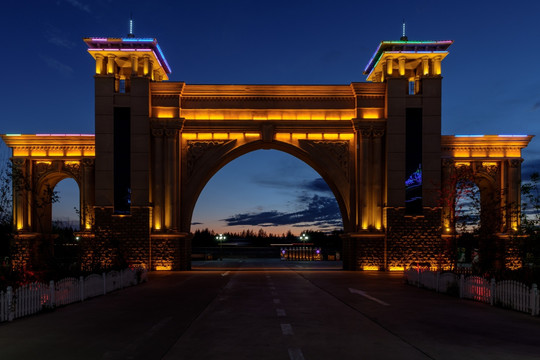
491 77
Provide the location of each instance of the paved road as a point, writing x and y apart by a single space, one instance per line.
266 309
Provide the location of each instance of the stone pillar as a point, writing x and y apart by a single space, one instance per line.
21 219
389 66
448 195
100 64
146 65
170 177
134 65
377 188
365 178
402 66
87 194
425 66
436 67
514 191
111 65
157 181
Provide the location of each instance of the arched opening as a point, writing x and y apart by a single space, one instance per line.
265 197
477 220
66 222
65 211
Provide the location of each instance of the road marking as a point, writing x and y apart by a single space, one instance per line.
226 273
286 329
296 354
281 312
364 294
277 301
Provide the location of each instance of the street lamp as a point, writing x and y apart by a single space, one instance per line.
303 250
220 239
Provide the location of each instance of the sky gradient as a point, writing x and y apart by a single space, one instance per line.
490 86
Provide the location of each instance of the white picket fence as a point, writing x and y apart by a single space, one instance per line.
507 293
32 298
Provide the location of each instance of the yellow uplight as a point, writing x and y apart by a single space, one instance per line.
462 163
163 267
44 162
346 136
368 268
371 113
72 163
331 136
73 152
252 135
396 268
189 136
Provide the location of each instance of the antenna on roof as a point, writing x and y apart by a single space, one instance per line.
403 36
130 35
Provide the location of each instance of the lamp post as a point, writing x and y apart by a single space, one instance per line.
220 238
303 238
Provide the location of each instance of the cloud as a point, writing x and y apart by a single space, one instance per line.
79 5
318 185
315 185
57 65
197 223
321 211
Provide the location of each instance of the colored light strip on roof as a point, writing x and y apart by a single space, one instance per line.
513 135
378 52
65 135
138 40
13 134
469 135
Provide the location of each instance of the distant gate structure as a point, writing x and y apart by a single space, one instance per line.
378 146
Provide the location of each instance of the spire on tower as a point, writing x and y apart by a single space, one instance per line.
130 35
403 36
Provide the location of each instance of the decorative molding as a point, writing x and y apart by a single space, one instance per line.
196 149
515 163
336 149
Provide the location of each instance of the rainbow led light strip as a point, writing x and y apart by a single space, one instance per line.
378 53
153 47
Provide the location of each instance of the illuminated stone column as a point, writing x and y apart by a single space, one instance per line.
157 183
21 219
88 194
402 66
146 65
389 66
365 178
514 191
111 64
436 67
100 64
377 188
448 195
134 65
425 66
171 138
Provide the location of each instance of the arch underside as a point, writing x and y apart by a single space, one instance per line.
330 158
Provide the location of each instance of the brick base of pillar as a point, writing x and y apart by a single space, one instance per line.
415 239
171 252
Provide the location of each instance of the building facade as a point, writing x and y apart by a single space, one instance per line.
378 146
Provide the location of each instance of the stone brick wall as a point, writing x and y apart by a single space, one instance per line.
363 251
118 240
171 252
415 239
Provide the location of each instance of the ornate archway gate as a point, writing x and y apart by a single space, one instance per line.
157 143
